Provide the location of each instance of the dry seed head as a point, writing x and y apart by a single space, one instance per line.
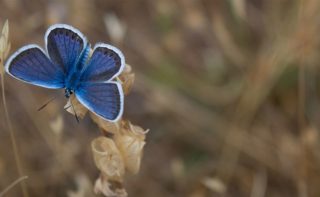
131 150
107 158
128 128
4 37
4 45
130 142
127 79
109 188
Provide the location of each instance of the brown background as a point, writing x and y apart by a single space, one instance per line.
228 89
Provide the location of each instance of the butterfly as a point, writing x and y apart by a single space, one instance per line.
66 64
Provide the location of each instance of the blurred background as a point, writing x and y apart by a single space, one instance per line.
228 88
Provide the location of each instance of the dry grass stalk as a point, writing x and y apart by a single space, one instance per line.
14 183
4 46
4 52
288 42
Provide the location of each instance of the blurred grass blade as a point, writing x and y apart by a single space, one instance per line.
14 183
4 51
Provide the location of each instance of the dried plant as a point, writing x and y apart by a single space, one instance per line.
4 46
233 86
4 52
119 150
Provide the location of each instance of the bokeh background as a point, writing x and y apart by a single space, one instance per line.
228 88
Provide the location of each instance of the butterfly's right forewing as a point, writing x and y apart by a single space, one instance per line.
106 63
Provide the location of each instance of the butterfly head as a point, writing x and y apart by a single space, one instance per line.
68 92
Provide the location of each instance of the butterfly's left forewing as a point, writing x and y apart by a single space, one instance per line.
64 45
30 64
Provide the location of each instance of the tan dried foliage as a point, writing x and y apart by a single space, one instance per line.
116 155
106 126
127 79
109 187
130 142
77 106
108 158
4 45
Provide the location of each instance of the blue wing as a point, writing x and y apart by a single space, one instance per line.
64 45
31 65
105 63
103 99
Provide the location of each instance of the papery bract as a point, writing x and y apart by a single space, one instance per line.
107 158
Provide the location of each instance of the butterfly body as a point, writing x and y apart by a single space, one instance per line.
73 79
66 64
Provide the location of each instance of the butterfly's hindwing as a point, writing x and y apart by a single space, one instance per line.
103 99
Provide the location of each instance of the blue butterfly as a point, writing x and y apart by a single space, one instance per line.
66 64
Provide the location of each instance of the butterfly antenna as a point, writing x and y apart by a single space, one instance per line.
44 105
75 113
